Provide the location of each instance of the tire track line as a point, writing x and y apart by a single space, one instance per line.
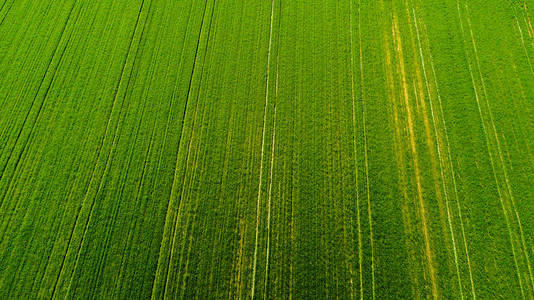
138 191
252 289
166 132
69 194
426 235
401 172
527 21
451 167
523 42
201 156
499 152
30 134
236 257
190 224
437 144
522 103
366 160
358 217
491 155
168 224
100 149
269 196
39 109
273 142
8 9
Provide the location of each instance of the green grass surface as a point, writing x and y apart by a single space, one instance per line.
270 149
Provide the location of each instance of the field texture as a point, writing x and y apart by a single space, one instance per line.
270 149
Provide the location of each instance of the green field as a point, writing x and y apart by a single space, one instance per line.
272 149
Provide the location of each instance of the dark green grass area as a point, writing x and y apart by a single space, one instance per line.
270 149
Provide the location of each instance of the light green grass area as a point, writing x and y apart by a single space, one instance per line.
273 149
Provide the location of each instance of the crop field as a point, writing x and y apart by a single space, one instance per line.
269 149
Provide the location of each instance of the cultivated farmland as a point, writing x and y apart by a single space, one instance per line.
270 149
